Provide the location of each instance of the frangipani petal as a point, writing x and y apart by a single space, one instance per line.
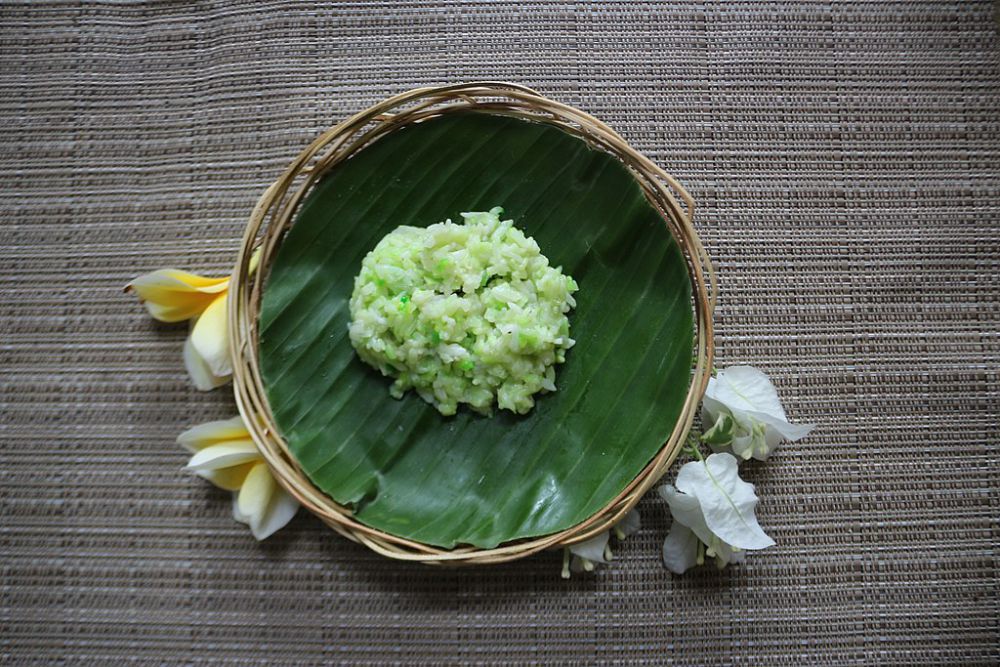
212 433
198 370
173 296
223 455
255 494
278 513
237 515
680 549
230 479
209 338
726 501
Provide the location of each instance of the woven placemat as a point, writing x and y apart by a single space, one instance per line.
846 160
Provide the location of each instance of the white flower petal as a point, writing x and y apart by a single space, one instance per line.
592 549
743 422
231 478
199 371
748 396
210 338
629 524
745 388
223 455
741 447
686 510
256 494
680 549
237 515
787 431
212 433
280 510
725 554
578 565
726 501
711 409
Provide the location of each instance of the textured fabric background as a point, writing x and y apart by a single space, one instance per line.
846 161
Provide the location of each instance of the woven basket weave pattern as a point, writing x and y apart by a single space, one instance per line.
275 212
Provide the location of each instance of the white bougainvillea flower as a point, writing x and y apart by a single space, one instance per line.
587 555
742 414
225 454
174 296
713 511
628 526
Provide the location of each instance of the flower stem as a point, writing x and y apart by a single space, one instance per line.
692 447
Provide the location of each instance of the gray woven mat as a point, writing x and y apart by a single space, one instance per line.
846 160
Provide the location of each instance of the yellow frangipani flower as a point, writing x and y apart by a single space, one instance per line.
174 296
225 454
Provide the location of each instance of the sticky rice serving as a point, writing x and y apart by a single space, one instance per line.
463 313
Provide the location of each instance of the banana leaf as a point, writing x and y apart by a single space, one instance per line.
470 479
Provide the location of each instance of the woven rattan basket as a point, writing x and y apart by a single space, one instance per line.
275 212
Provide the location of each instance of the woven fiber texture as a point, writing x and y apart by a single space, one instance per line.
846 163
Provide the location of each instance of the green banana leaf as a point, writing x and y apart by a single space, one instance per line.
470 479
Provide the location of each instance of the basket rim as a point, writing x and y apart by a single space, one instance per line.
275 211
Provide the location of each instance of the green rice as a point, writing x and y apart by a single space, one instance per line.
463 313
